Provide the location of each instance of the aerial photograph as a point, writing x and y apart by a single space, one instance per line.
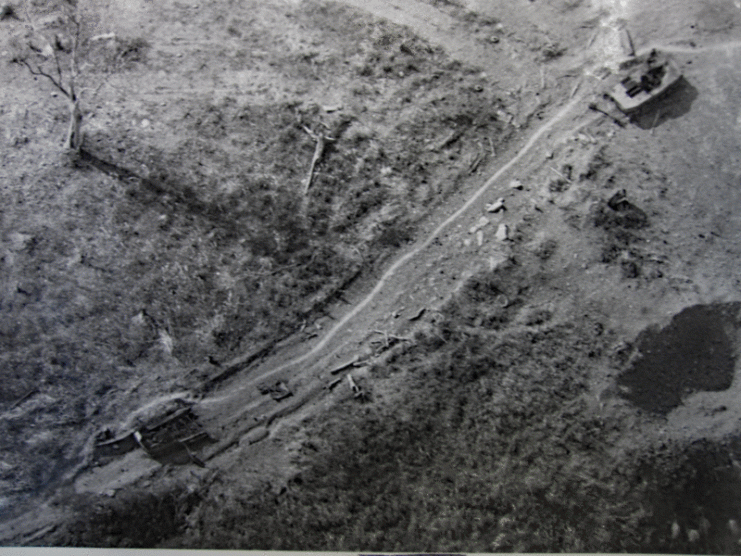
450 276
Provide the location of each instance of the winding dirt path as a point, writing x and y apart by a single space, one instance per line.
307 365
568 109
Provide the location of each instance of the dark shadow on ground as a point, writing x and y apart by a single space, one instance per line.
695 352
675 103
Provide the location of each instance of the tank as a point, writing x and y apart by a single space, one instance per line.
644 79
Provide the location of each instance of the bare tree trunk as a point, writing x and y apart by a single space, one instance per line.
74 136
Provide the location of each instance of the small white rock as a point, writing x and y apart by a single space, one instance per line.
693 535
466 242
480 238
496 206
473 229
676 530
483 221
516 184
104 36
145 122
496 260
502 232
733 526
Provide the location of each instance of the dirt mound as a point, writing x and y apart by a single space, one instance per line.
695 352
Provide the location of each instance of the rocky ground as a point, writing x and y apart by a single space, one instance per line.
385 360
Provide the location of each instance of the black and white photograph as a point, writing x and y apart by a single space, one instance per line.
371 276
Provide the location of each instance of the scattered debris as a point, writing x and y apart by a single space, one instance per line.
356 390
334 383
593 106
502 232
565 178
418 314
480 238
107 445
476 162
103 37
167 439
353 363
193 458
448 140
389 339
629 215
497 260
516 184
496 206
483 221
278 391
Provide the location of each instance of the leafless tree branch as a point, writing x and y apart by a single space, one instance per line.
39 71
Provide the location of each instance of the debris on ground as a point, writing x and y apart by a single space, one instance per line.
516 184
483 221
418 314
277 391
357 391
502 233
354 362
619 212
334 383
496 206
596 108
169 438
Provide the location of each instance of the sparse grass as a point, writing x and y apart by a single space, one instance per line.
489 447
200 233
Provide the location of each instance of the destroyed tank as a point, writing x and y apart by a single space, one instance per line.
644 79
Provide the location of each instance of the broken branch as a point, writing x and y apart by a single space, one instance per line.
321 141
39 71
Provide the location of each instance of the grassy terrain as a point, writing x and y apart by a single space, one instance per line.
169 245
487 445
478 437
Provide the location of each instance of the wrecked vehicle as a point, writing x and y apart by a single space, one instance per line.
644 79
168 432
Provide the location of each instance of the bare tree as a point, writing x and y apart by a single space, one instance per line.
51 49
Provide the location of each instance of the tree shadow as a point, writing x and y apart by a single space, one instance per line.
675 103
